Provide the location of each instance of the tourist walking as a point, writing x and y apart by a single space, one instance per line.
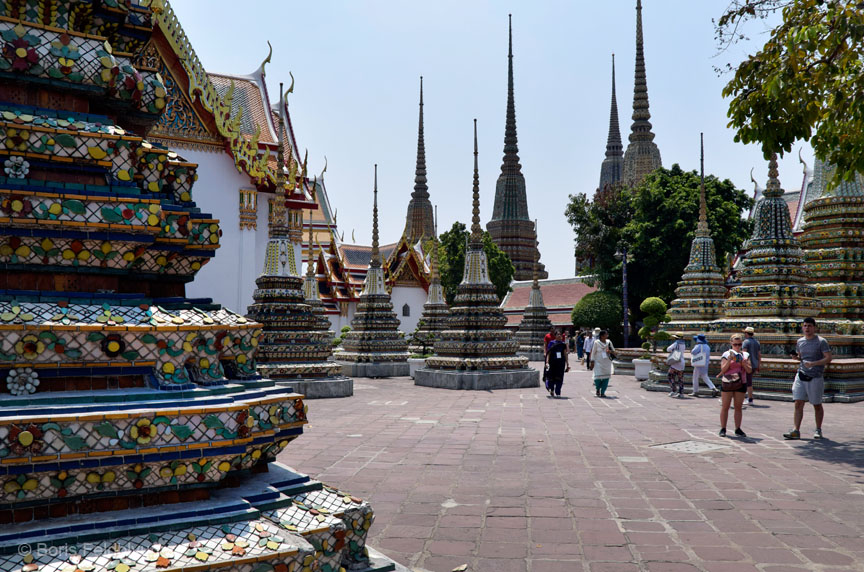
809 385
754 348
557 362
676 364
587 346
580 345
733 365
700 356
602 354
548 338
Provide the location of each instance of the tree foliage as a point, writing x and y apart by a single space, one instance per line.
656 222
600 310
654 310
804 83
452 244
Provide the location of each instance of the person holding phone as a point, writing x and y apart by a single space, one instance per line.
809 385
733 365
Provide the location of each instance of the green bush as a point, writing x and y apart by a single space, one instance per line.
646 345
600 310
345 329
653 306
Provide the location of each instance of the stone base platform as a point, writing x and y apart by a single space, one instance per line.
280 518
477 380
338 386
536 355
375 369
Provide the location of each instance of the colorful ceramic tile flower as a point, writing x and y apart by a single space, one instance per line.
22 381
25 439
20 50
29 346
16 167
142 431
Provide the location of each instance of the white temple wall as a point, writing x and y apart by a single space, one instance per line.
414 297
337 321
229 277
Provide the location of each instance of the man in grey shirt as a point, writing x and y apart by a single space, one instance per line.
754 348
814 353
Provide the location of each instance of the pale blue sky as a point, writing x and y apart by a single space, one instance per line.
357 66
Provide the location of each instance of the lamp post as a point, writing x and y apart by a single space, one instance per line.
621 255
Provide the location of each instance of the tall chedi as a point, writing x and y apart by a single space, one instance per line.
701 290
374 347
419 222
136 433
642 155
834 250
293 347
435 309
613 165
510 227
311 295
476 351
535 323
775 290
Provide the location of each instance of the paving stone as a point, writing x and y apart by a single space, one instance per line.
543 478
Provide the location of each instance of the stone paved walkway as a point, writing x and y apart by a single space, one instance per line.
513 481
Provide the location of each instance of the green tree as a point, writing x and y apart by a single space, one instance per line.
656 222
663 224
451 252
654 310
600 310
804 83
597 225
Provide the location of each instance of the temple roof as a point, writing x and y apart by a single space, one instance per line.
559 297
250 100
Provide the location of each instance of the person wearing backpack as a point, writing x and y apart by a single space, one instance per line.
676 364
557 362
602 354
700 355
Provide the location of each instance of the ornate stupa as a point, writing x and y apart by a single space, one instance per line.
642 155
535 324
476 351
419 221
613 165
435 309
701 290
311 295
374 347
833 239
775 291
136 432
510 227
293 348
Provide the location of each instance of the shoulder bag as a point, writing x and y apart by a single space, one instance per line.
675 356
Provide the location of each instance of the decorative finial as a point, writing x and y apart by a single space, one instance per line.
324 170
279 208
290 89
376 255
435 247
267 61
421 189
803 162
702 226
510 34
773 188
476 231
641 128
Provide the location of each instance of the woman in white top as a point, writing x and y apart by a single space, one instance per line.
676 368
589 343
602 354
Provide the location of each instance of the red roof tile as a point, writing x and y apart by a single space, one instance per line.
556 293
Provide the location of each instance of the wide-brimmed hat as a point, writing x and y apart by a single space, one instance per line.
678 335
700 338
749 330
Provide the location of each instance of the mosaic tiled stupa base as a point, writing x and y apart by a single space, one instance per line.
476 351
132 419
436 312
292 350
374 347
776 292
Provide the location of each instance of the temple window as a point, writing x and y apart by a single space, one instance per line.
406 310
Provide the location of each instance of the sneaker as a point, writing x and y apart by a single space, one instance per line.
672 394
714 393
740 433
817 434
793 434
680 395
750 401
722 432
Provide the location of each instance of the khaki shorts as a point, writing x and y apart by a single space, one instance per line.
808 390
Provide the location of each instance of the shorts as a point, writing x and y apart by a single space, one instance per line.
808 390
